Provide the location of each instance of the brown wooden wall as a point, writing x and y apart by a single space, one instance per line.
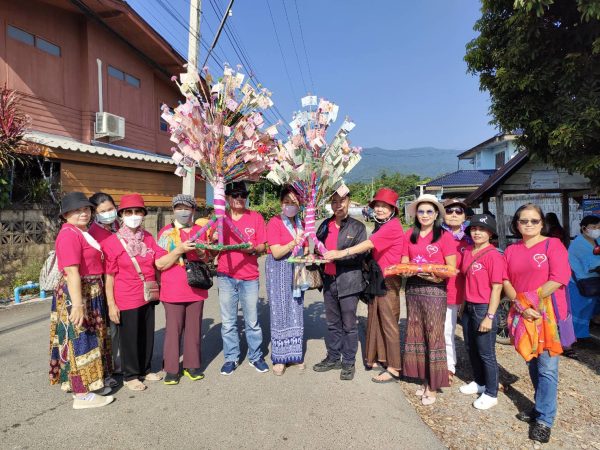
157 188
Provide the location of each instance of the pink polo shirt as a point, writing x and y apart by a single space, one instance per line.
99 233
129 288
529 268
234 263
73 250
424 251
479 276
174 287
388 243
331 242
455 286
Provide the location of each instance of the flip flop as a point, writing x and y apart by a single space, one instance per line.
393 379
152 377
427 401
420 392
135 385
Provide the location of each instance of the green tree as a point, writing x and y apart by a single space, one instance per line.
540 62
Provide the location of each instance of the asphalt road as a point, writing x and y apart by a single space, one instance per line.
245 410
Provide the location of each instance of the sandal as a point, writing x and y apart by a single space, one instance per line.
278 369
450 378
152 377
135 385
301 366
110 382
427 401
393 378
420 392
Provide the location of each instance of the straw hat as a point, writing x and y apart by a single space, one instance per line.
425 198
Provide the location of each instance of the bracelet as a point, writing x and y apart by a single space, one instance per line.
77 306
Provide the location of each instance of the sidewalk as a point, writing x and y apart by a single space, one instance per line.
244 410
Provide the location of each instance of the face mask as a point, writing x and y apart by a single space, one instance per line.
183 216
133 221
107 217
290 210
593 234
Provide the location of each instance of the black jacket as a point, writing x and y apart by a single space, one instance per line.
349 278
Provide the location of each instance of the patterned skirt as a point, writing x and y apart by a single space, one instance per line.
287 313
80 357
425 346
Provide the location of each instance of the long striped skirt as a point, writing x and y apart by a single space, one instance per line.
80 357
425 346
287 313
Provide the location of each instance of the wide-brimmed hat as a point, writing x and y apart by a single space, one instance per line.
132 201
237 187
483 220
73 201
387 196
426 198
184 199
454 201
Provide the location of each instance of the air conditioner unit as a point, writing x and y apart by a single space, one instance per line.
109 125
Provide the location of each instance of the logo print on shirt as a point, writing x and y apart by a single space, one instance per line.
432 249
249 232
476 267
540 259
419 259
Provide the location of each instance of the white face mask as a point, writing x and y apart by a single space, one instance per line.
593 234
107 217
133 221
183 216
290 210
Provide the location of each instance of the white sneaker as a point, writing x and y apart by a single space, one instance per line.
472 388
485 402
92 400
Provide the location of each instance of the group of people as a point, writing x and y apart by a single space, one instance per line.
103 310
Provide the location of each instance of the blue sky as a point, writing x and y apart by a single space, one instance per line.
395 67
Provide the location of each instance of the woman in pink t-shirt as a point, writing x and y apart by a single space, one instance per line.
425 348
483 268
80 353
183 304
125 291
538 265
386 244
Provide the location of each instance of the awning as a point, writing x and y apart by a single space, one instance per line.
97 148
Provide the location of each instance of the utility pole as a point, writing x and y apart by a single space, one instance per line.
189 180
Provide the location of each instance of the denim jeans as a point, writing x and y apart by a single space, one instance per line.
543 371
232 292
481 347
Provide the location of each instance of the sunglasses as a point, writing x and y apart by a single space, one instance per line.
455 209
532 221
429 212
243 195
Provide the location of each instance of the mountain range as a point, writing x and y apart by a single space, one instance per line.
424 161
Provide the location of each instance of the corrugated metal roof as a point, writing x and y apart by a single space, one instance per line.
462 178
56 141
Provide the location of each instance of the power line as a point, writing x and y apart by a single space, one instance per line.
312 83
287 18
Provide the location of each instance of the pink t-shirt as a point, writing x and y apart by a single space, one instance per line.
424 251
529 268
73 250
388 243
234 263
455 286
174 287
129 289
99 233
330 243
479 276
277 233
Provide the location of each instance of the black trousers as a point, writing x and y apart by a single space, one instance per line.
342 327
137 341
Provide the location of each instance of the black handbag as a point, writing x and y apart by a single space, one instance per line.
198 274
588 287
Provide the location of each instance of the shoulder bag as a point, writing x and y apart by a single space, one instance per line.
151 288
198 273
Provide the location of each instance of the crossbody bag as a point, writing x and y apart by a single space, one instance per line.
151 288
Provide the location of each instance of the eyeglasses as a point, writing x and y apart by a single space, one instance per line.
455 209
532 221
243 195
429 212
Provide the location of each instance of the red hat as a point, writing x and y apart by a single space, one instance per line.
386 195
132 201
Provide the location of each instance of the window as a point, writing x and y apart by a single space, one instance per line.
36 41
163 125
129 79
500 157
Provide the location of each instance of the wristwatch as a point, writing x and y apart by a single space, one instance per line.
490 316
